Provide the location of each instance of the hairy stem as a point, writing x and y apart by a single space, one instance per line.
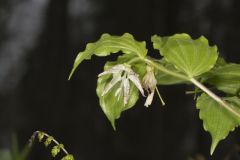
214 96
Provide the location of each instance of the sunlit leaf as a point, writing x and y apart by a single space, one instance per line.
108 44
193 57
216 119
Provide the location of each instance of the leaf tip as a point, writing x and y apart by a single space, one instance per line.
128 35
182 35
156 40
213 145
70 75
113 125
105 35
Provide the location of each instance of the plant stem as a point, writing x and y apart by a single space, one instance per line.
214 96
45 134
160 97
224 104
165 70
135 59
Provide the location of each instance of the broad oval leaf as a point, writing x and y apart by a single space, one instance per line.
193 57
108 44
111 104
216 119
226 78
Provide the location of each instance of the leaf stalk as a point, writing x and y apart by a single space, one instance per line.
215 97
223 103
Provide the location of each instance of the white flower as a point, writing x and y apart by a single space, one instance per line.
123 73
149 83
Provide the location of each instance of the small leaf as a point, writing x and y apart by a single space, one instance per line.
56 149
40 136
226 78
112 104
48 141
216 119
68 157
108 44
193 57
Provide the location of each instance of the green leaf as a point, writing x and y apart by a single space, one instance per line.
226 78
108 44
220 62
68 157
56 149
48 141
193 57
216 119
166 79
40 136
111 105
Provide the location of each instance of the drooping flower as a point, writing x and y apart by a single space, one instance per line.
149 83
122 73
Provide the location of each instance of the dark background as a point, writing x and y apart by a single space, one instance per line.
39 40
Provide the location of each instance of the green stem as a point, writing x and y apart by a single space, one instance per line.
160 67
160 97
214 96
135 59
165 70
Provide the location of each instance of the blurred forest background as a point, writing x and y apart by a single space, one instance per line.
39 40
